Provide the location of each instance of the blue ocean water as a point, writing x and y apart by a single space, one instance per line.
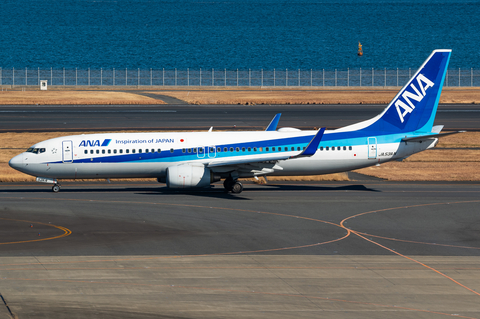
231 34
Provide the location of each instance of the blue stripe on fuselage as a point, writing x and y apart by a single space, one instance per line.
331 139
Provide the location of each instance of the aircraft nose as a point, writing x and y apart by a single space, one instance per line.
16 162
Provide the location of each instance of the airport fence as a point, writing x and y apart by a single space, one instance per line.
229 78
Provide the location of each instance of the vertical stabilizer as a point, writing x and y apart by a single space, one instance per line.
413 109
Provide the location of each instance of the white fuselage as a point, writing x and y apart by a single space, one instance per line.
145 155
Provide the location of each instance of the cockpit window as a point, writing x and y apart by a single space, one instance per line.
35 150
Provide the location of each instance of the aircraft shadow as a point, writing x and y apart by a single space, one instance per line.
213 192
220 192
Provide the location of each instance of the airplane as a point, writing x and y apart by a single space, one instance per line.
198 159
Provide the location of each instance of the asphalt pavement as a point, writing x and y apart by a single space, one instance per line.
369 249
201 117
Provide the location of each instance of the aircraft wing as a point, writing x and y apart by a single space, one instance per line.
269 158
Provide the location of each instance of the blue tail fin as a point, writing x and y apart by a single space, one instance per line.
415 106
413 109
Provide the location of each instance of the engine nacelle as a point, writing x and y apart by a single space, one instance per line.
184 176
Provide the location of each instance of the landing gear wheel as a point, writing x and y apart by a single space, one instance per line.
237 188
56 188
228 184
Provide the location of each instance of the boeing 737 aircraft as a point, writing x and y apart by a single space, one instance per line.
197 159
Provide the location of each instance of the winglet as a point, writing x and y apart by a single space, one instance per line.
312 147
273 124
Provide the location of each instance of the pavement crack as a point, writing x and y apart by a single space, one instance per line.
40 263
8 307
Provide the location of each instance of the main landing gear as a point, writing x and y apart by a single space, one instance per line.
231 185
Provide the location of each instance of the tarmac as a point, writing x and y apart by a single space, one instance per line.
358 249
201 117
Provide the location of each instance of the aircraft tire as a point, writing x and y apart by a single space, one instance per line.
228 184
237 188
55 188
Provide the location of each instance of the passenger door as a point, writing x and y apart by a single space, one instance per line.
372 148
67 151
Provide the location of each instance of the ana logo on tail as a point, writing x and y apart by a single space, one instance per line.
423 84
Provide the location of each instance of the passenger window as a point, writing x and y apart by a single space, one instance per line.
267 149
91 151
304 148
344 148
212 149
103 151
261 149
339 148
327 148
146 150
350 148
127 151
86 152
249 149
292 149
109 151
189 150
200 150
273 148
159 150
114 151
97 151
298 148
139 150
254 149
184 150
153 151
321 148
333 148
194 149
133 151
171 150
243 149
219 149
286 149
231 149
121 151
237 149
225 149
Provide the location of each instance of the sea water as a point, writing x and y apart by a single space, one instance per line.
236 34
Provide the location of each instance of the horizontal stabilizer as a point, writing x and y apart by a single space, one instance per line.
424 137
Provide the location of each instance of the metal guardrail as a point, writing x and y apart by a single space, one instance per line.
229 78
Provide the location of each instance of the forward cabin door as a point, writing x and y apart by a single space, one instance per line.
67 151
372 148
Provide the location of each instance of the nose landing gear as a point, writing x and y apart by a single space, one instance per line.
56 188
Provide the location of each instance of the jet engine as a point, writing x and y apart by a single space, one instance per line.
184 176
